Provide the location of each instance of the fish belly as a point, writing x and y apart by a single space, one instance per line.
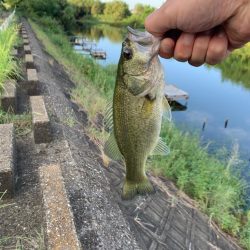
137 123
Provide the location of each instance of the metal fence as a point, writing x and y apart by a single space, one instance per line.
7 21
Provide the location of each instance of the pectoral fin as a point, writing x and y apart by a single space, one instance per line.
166 109
111 148
161 148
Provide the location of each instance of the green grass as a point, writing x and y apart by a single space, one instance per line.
8 66
214 183
22 123
35 241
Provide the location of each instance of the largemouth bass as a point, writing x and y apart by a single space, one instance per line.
136 114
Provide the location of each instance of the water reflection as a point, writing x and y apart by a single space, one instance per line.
237 67
96 32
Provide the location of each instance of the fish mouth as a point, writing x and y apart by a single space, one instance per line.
146 42
143 38
136 33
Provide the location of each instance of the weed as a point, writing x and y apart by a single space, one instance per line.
35 241
70 121
22 123
8 66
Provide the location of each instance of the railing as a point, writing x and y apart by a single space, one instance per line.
7 21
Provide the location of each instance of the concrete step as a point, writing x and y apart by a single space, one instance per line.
29 61
32 82
27 49
40 120
59 223
26 41
7 160
14 53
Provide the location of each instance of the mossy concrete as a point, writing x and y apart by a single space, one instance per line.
40 120
32 82
29 61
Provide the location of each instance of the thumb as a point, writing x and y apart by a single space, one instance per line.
162 19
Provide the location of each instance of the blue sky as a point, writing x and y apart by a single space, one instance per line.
132 3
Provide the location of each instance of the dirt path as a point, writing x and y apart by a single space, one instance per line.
103 221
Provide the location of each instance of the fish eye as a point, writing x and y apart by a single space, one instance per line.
127 53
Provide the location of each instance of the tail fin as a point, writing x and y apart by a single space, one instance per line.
131 189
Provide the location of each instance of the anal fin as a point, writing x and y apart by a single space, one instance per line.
161 148
111 148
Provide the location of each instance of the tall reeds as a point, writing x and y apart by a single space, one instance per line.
8 66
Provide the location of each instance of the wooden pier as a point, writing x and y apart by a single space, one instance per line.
172 93
88 46
100 54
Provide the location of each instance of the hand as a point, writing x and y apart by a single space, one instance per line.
210 29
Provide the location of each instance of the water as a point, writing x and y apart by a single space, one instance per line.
212 99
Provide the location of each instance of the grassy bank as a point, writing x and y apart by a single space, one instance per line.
8 66
213 183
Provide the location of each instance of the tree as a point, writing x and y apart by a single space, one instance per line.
97 8
9 3
143 10
139 9
117 10
68 17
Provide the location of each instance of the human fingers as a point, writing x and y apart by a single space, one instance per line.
162 19
217 48
237 27
191 16
167 48
200 47
184 46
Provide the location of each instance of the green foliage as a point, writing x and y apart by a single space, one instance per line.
57 9
245 234
51 24
84 7
97 8
143 10
237 66
8 67
68 17
116 10
7 4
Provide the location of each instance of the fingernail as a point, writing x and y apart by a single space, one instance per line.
188 39
167 49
